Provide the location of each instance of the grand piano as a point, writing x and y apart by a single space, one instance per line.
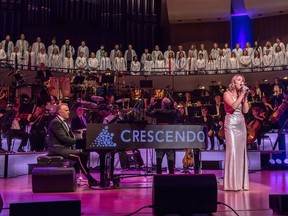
108 139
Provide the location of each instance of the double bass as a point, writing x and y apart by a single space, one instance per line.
279 111
252 129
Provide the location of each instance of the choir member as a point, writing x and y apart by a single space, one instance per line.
29 59
191 63
159 65
113 53
169 50
233 64
269 47
180 64
180 49
278 58
67 48
215 51
7 46
155 53
16 58
100 52
55 60
81 62
129 56
203 51
278 43
148 65
256 61
37 45
245 62
211 65
201 64
105 62
68 63
2 54
258 48
267 60
83 48
227 51
93 62
238 51
119 63
221 62
249 49
170 63
52 47
42 58
193 50
135 66
22 44
144 57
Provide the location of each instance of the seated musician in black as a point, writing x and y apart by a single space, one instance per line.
218 112
79 122
207 120
166 115
62 140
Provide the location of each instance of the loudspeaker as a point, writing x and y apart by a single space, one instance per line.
185 194
279 203
56 208
1 203
53 179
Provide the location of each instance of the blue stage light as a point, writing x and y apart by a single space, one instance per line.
272 162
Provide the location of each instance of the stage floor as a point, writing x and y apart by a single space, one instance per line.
135 193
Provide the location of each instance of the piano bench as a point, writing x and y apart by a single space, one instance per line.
53 179
53 161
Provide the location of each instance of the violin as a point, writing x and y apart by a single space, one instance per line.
252 129
188 159
279 111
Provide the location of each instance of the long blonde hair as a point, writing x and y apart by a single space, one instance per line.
231 86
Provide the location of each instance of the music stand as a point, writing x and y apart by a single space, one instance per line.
78 80
107 79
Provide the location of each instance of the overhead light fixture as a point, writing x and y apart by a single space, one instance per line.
278 161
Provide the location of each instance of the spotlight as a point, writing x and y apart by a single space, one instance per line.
278 161
272 162
286 161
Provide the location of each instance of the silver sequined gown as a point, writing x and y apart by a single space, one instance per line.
236 167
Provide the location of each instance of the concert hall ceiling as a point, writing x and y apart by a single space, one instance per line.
186 11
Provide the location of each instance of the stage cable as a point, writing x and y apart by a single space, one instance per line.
148 206
221 203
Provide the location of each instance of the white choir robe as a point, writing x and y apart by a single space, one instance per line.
100 54
271 50
10 48
93 64
166 54
2 55
191 65
144 58
180 66
194 52
267 62
221 64
68 64
55 61
201 65
238 52
148 67
105 63
23 46
215 53
155 54
233 65
135 68
36 46
211 66
259 49
26 60
245 63
19 59
250 51
119 64
178 52
286 58
279 60
257 64
42 58
51 48
113 55
69 48
159 66
81 63
170 66
227 53
281 45
204 53
126 55
83 49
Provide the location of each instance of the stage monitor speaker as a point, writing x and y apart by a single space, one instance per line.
185 194
56 208
279 203
1 203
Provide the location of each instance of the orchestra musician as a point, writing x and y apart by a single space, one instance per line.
14 126
165 115
236 163
61 142
79 122
207 120
254 128
38 121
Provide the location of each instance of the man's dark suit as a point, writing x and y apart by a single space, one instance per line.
60 139
77 123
